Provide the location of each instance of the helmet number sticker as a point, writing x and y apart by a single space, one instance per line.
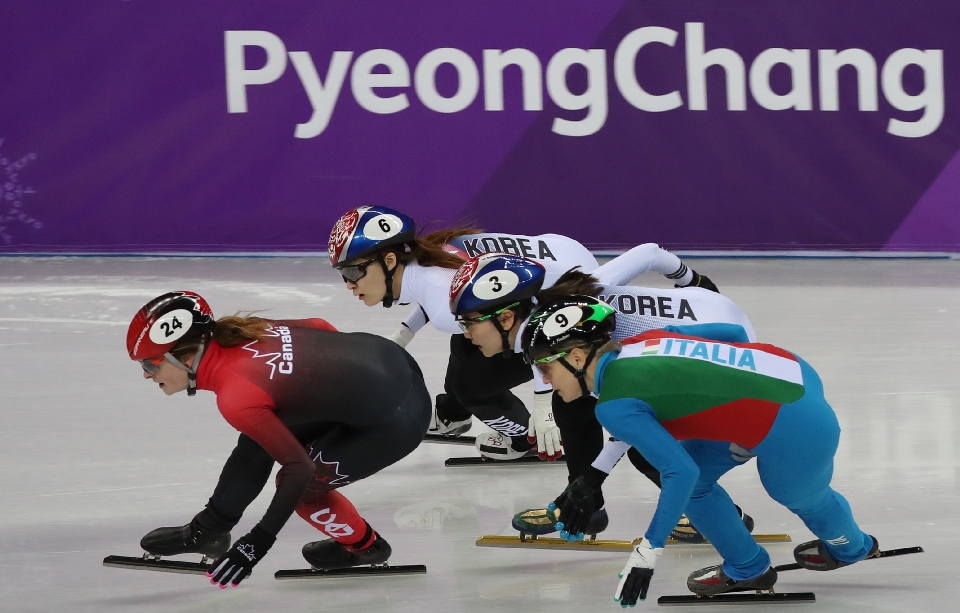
171 326
495 284
382 227
561 321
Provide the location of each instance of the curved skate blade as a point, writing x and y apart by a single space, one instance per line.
889 553
765 598
449 440
540 542
157 564
485 461
357 571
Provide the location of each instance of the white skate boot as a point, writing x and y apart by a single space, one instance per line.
496 446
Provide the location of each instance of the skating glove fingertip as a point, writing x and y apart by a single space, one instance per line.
552 507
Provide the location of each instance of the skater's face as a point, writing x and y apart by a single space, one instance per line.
484 334
371 286
558 376
170 378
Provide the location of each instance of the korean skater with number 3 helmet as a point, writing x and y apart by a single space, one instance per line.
697 401
331 408
383 261
496 293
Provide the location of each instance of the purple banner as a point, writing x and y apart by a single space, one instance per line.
142 126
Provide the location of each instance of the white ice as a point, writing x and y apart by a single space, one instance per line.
92 456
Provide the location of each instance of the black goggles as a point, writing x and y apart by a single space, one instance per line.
352 273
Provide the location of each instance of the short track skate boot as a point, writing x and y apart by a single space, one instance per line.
813 555
541 521
448 427
329 554
496 446
186 539
685 532
712 580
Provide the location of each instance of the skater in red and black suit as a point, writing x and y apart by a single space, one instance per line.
331 408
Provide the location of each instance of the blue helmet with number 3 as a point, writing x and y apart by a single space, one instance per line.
366 230
494 280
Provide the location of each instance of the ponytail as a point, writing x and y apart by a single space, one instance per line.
228 331
571 283
427 250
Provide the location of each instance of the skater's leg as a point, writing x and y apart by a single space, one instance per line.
712 511
335 516
241 481
795 462
449 407
483 386
580 431
640 463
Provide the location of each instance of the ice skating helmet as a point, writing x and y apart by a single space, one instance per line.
367 230
169 320
567 322
494 280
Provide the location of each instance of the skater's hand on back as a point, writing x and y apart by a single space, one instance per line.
237 563
544 429
636 575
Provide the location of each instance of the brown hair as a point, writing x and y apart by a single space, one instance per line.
228 331
574 282
427 250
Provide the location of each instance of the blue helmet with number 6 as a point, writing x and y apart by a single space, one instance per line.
367 230
494 280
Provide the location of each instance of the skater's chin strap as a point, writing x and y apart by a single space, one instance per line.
388 297
581 373
191 372
504 336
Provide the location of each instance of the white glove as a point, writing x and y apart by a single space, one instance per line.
543 428
402 337
635 576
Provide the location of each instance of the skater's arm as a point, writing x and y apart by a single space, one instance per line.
729 333
648 256
611 453
416 319
634 422
250 410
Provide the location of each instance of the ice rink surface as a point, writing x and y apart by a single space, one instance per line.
92 456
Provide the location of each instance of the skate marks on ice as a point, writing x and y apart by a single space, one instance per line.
356 571
153 562
769 597
532 541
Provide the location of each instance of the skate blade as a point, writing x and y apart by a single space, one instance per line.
882 554
158 564
764 598
449 440
484 461
357 571
530 541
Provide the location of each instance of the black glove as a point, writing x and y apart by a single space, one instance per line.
636 586
577 504
232 567
701 281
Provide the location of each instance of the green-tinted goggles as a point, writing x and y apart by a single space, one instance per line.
541 364
466 322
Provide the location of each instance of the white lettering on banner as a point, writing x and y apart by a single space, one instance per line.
383 68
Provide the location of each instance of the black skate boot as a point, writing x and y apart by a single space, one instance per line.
814 556
186 539
329 554
712 580
544 521
448 427
685 532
